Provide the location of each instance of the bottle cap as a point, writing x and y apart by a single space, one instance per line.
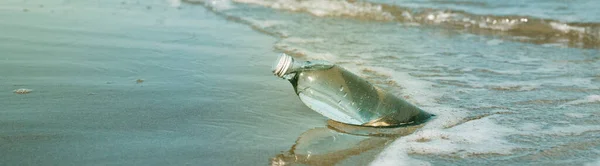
283 63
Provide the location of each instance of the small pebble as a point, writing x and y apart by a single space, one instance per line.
22 91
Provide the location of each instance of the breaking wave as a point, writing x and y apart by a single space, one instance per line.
513 27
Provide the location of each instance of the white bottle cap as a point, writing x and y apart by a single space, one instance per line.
283 63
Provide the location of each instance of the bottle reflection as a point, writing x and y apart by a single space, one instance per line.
340 143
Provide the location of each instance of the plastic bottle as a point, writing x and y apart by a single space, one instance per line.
344 97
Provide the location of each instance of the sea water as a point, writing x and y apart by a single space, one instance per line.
511 83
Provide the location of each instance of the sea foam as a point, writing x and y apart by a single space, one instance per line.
327 8
481 136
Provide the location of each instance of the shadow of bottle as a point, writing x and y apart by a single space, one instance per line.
340 143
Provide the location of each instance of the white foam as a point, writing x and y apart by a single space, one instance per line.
499 24
440 16
174 3
264 23
482 136
494 42
570 130
577 115
219 5
558 45
586 100
407 15
540 129
411 24
397 154
303 40
397 157
566 28
528 127
326 8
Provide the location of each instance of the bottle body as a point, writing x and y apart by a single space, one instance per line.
345 97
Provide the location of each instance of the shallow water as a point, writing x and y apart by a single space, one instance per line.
206 95
510 83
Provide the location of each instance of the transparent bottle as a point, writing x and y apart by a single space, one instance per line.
344 97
